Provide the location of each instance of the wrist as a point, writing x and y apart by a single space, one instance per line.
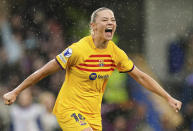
15 92
168 98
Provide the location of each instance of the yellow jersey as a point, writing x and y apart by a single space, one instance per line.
87 71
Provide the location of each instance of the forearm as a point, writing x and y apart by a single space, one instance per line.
46 70
29 81
150 84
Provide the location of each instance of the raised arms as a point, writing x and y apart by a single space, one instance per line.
49 68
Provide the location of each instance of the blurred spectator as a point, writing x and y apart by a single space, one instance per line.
25 116
151 116
30 41
120 123
187 99
186 92
158 111
115 95
11 42
26 47
47 99
189 52
176 56
4 112
56 81
126 114
116 91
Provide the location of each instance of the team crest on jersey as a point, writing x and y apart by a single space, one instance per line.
68 52
101 63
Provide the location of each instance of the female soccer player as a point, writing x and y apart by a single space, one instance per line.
88 64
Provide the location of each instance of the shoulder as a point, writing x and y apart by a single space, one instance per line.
115 47
78 47
81 43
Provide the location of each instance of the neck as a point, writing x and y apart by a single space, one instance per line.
100 43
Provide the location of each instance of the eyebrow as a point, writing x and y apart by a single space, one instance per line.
107 18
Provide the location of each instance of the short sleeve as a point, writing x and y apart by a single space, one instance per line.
124 64
67 57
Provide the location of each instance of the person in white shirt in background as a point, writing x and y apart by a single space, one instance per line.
26 115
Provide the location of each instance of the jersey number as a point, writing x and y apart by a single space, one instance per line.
77 117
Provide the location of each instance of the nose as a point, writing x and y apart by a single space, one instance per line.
110 22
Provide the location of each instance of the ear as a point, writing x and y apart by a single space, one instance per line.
92 26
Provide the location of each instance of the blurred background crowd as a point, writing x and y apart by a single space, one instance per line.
156 35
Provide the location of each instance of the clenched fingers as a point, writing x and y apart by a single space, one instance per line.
178 106
9 98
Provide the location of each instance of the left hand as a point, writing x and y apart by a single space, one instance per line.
175 104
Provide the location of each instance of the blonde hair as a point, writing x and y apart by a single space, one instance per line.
94 15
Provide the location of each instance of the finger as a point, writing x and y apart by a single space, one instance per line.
179 105
6 102
178 108
9 103
175 107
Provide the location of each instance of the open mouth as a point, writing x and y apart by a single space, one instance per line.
108 30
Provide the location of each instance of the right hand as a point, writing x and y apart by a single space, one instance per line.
9 98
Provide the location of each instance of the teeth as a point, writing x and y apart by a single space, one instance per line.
108 30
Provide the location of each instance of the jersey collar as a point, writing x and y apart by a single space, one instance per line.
91 42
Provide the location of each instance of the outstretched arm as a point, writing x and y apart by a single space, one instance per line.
150 84
51 67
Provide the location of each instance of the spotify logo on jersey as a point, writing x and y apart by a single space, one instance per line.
93 76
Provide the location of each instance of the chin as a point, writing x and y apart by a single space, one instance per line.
108 38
